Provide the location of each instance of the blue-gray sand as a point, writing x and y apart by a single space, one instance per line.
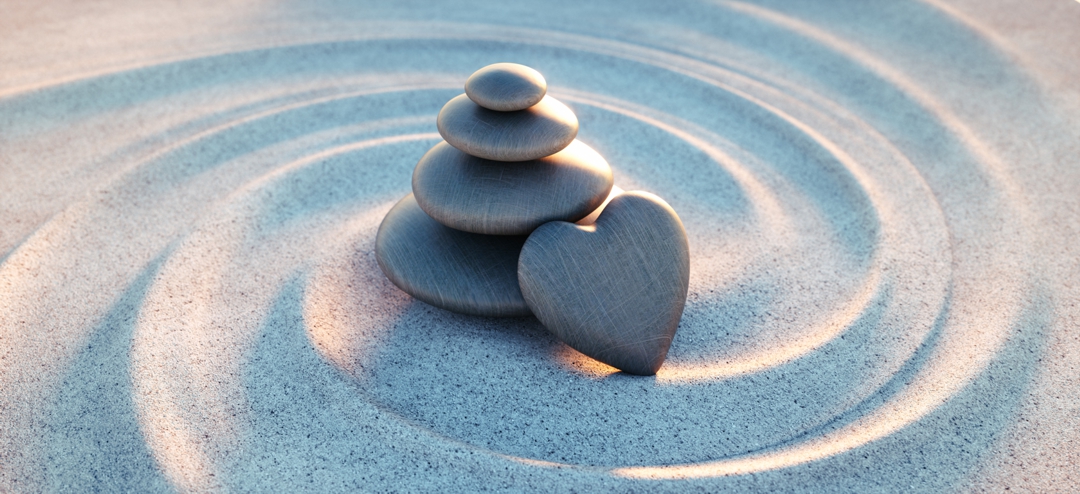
879 197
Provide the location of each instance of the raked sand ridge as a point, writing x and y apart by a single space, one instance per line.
880 202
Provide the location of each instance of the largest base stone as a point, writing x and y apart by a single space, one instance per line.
451 269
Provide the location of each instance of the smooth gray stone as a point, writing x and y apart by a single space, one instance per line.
498 198
451 269
615 290
591 217
506 87
540 130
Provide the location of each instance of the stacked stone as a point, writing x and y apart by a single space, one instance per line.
509 163
490 227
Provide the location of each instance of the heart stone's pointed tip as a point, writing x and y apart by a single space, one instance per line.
645 362
644 371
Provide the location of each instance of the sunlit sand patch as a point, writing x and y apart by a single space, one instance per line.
576 362
342 292
823 333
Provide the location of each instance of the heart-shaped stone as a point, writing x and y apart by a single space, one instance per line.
614 290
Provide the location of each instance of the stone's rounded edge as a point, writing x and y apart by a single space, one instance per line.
552 283
442 154
648 201
584 156
538 131
449 186
453 270
506 87
590 218
653 201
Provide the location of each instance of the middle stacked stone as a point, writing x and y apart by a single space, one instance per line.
509 163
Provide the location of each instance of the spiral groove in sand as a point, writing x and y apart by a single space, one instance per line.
835 294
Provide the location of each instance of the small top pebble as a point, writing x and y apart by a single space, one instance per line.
506 87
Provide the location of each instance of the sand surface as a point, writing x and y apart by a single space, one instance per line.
882 201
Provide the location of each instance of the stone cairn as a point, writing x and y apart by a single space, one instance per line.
511 215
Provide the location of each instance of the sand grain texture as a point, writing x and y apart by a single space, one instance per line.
880 200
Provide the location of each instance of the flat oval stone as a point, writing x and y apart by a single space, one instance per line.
450 269
497 198
506 87
540 130
615 290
